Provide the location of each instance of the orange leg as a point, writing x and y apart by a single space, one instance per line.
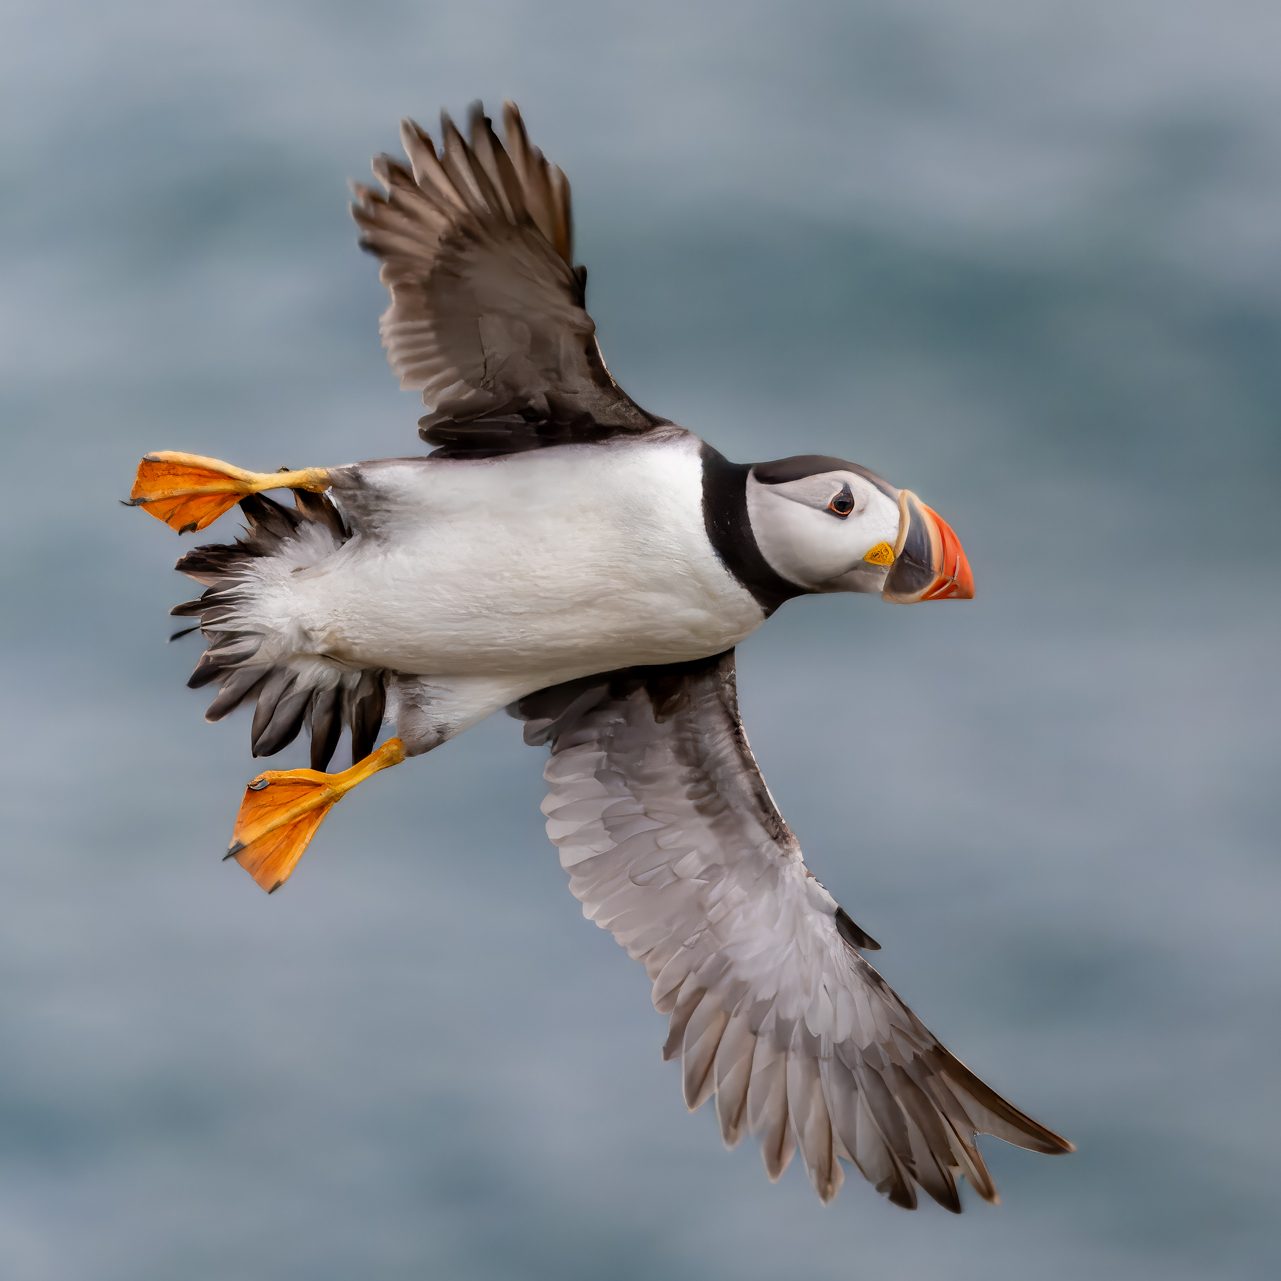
283 808
189 492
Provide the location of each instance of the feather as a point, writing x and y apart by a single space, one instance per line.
320 509
811 1124
276 686
702 1039
366 703
284 720
326 725
489 152
237 685
733 1074
455 156
956 1123
688 1001
429 174
767 1115
270 522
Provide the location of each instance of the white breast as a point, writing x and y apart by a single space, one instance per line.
568 560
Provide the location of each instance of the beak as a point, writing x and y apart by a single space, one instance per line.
929 562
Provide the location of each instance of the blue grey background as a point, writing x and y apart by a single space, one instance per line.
1024 258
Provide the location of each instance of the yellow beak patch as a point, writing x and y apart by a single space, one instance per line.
881 554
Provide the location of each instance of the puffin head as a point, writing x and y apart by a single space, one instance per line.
829 525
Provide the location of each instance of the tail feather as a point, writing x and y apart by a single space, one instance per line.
320 509
325 726
237 685
245 661
284 716
366 703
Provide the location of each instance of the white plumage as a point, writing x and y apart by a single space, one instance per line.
491 581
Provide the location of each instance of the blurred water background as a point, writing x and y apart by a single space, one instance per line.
1024 258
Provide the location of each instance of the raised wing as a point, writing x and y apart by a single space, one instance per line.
674 845
487 315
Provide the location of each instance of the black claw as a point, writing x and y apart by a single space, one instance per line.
131 502
233 849
275 887
258 784
188 528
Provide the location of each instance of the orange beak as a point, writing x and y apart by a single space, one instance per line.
929 561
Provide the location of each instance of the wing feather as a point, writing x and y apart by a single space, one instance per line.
674 844
487 316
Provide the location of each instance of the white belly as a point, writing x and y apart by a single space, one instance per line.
567 561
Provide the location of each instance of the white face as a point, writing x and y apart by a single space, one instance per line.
830 532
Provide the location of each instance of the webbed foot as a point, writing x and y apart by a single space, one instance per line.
189 492
283 808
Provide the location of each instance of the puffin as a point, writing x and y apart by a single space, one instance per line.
589 566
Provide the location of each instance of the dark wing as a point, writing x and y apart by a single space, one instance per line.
673 843
487 315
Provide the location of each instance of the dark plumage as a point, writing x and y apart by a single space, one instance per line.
285 700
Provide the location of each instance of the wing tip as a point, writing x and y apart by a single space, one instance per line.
998 1116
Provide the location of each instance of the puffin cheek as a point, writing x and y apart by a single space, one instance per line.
864 578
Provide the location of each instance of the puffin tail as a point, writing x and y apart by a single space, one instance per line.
243 616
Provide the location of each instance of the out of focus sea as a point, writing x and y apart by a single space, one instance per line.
1023 258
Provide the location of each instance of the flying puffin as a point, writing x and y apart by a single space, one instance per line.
589 566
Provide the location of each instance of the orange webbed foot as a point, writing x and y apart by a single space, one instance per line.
283 809
189 492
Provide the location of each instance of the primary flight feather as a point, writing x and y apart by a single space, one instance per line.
590 566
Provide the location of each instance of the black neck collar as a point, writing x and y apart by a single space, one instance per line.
730 532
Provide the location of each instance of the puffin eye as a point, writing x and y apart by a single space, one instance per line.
842 504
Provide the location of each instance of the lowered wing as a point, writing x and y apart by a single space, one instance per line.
673 843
